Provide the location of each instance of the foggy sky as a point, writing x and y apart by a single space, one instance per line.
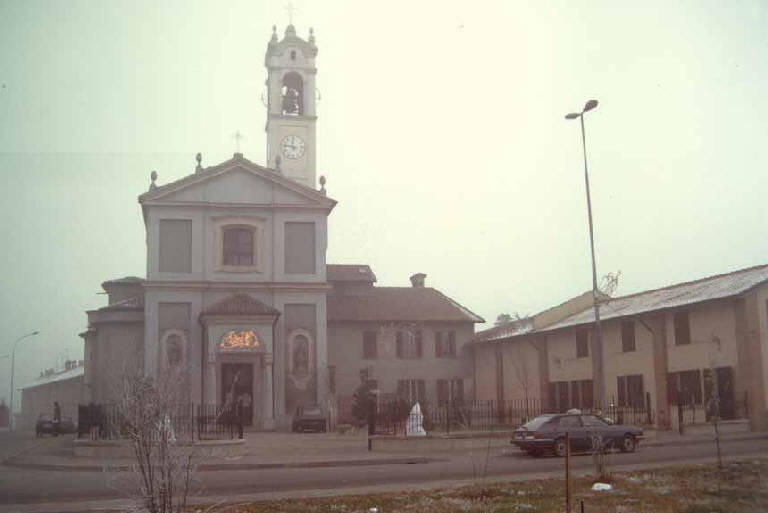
440 131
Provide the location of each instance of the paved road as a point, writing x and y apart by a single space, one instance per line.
21 486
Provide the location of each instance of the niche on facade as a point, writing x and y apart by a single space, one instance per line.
300 361
173 347
293 94
243 340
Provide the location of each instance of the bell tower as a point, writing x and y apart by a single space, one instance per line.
291 115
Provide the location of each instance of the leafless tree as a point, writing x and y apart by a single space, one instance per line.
147 410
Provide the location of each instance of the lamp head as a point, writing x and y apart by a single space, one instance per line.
572 115
591 104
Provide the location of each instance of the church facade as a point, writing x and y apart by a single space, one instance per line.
237 287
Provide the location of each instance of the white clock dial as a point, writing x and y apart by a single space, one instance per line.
293 146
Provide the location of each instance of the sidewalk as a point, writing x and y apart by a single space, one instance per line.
291 450
262 451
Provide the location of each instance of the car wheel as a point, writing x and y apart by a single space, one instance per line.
628 444
559 447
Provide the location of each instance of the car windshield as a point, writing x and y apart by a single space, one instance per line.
537 422
312 410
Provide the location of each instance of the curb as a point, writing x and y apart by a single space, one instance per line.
13 462
675 443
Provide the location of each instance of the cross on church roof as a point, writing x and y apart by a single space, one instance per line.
238 137
290 8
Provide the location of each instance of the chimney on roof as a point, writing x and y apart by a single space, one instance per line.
417 280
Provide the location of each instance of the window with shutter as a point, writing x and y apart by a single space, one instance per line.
622 390
438 344
370 349
682 329
628 336
582 344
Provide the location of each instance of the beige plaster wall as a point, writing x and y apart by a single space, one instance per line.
563 364
39 399
707 321
618 363
762 334
521 371
485 371
118 347
345 353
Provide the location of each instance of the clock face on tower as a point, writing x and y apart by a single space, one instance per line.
292 146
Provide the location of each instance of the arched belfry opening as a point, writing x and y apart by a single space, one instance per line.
293 94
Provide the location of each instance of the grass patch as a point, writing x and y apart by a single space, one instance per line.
738 487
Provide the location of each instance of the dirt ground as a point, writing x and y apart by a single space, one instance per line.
738 487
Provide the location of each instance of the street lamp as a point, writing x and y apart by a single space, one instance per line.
598 348
13 362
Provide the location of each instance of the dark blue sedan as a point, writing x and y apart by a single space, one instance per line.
587 431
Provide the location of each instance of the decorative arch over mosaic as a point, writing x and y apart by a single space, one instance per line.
235 340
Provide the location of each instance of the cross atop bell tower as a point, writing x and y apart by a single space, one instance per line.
291 114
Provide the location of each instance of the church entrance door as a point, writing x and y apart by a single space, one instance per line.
237 387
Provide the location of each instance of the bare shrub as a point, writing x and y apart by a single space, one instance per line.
149 411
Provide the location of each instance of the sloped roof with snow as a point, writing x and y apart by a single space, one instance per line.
409 304
57 376
673 296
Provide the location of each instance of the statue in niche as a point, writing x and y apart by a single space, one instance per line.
301 354
173 350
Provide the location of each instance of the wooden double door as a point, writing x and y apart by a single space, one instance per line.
237 388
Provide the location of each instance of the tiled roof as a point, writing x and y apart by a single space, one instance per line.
132 303
705 289
240 304
237 161
398 304
349 272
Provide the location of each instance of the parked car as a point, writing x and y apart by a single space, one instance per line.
547 433
44 425
309 417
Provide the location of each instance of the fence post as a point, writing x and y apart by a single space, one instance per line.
679 412
567 472
746 405
648 416
448 417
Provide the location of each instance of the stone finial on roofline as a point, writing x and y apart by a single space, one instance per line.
199 159
153 177
322 185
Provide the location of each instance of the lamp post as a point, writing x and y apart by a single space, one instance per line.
13 362
598 347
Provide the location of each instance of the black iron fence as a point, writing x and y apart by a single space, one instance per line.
694 411
185 422
394 417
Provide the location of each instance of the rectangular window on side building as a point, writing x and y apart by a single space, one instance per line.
682 329
628 336
582 344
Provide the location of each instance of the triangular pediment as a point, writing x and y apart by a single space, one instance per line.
237 181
